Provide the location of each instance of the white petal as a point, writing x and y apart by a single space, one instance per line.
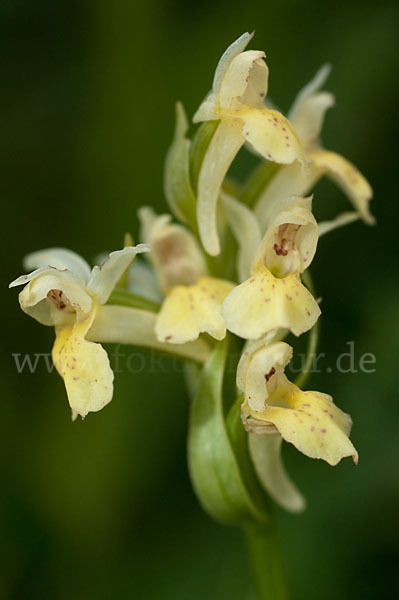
124 325
251 376
104 278
73 297
309 117
245 79
289 181
224 146
143 281
305 239
343 219
175 253
246 231
150 223
232 51
59 258
265 452
207 111
310 88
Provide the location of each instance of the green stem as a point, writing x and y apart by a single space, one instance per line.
266 561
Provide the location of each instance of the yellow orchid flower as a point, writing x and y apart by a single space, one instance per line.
308 420
273 296
64 292
307 116
237 101
193 298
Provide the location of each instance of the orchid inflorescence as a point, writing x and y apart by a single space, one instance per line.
233 270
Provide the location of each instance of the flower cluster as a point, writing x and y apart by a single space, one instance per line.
235 263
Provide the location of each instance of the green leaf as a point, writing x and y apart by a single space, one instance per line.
222 476
178 189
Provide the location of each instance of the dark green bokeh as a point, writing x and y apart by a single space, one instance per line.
104 508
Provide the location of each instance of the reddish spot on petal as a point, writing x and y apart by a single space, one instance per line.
270 373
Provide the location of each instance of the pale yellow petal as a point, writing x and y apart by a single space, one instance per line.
190 310
311 422
265 451
84 367
346 175
133 326
222 149
264 302
270 134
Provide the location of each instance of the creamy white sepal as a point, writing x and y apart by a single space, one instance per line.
265 451
340 221
246 230
104 278
58 258
125 325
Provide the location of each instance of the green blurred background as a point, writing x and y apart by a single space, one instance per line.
104 509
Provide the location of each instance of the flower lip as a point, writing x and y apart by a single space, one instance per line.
308 420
